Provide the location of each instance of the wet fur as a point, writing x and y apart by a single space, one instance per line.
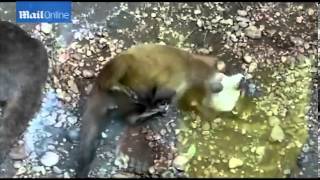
133 83
23 72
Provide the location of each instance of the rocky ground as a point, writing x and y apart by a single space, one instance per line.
273 44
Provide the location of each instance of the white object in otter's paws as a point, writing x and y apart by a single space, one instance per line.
226 99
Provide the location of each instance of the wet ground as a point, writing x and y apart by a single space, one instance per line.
271 43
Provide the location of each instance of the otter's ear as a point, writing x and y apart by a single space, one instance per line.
216 87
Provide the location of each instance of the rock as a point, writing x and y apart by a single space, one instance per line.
247 58
197 11
252 67
21 170
72 120
206 126
57 170
39 169
87 73
299 19
199 23
297 41
73 86
18 153
123 175
243 24
46 28
221 66
49 159
227 21
273 121
180 162
242 12
253 32
235 162
277 133
310 12
260 151
17 164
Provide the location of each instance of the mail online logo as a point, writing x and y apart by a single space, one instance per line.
43 11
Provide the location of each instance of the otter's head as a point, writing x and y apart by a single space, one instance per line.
225 91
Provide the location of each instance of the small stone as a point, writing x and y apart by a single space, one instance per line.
247 58
57 170
243 24
180 162
235 162
242 12
227 22
49 159
66 175
253 32
199 23
89 53
277 134
39 169
46 28
21 170
310 12
197 11
221 66
73 86
299 19
252 67
87 73
206 126
104 135
17 164
153 15
273 121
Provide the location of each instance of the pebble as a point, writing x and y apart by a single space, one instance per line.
17 164
39 169
243 24
197 11
235 162
221 66
247 58
21 170
227 21
46 28
72 120
277 133
57 170
242 12
87 73
49 159
180 162
299 19
252 67
153 15
253 32
273 121
199 23
310 12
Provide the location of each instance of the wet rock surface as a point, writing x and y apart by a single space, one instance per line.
252 38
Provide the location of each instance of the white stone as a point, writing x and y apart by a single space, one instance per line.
49 159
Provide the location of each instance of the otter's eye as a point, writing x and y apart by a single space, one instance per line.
216 87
